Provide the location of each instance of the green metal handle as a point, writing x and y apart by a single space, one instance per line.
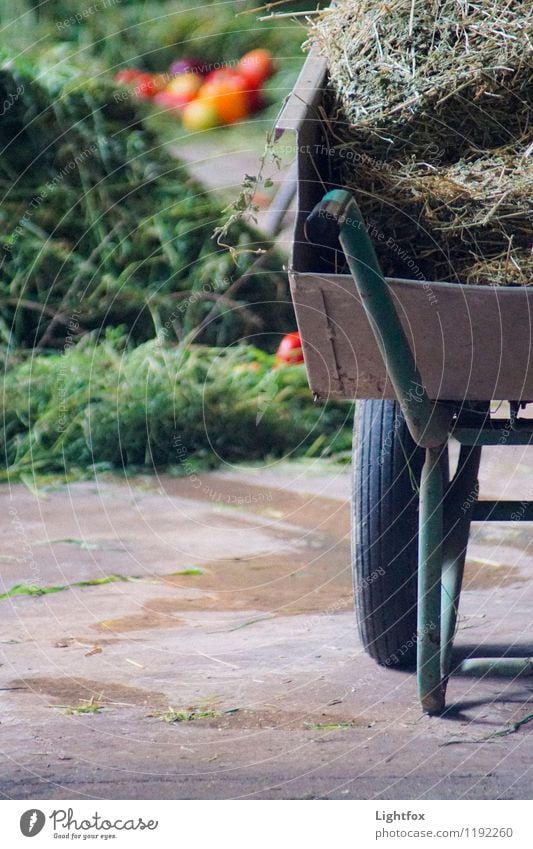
337 221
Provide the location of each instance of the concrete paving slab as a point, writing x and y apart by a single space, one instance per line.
234 611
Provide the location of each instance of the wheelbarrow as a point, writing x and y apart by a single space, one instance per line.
424 360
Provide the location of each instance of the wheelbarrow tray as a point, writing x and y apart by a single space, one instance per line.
469 342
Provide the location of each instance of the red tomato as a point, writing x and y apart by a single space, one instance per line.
257 66
148 85
290 349
219 74
168 101
128 75
227 94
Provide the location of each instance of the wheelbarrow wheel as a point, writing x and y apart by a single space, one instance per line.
387 469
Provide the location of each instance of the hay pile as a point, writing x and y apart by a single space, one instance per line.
431 121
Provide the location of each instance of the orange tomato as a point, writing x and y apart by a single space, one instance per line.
228 96
256 66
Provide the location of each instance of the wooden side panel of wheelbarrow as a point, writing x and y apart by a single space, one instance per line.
469 342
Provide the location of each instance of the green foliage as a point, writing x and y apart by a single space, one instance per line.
153 34
152 405
100 226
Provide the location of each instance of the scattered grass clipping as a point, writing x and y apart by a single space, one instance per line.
34 590
86 706
192 714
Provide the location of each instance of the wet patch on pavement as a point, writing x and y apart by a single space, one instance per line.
300 509
72 690
280 585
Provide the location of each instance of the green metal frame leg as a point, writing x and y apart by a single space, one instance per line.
459 502
430 560
445 517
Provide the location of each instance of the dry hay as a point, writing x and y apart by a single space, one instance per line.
433 100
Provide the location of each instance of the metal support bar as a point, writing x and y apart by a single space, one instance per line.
337 217
459 504
430 682
504 432
503 511
508 667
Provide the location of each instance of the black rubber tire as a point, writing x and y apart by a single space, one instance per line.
387 469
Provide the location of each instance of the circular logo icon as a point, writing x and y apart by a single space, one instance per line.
32 822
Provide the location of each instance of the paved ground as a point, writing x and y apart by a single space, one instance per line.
222 161
237 610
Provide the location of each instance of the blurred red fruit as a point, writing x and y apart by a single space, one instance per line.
257 66
168 101
148 85
219 75
290 349
128 76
